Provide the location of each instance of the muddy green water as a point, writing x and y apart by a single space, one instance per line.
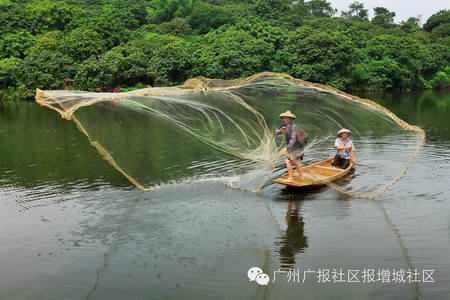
71 227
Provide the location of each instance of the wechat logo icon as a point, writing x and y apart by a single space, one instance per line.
256 274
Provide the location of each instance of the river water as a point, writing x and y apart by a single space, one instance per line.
71 227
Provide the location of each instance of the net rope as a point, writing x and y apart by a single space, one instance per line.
66 103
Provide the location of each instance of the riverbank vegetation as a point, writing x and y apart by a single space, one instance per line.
102 44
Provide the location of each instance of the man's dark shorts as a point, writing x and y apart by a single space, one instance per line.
296 155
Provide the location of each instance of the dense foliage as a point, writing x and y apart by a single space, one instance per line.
101 44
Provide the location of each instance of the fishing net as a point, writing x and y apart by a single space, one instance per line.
209 129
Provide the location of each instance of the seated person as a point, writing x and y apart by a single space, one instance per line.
344 149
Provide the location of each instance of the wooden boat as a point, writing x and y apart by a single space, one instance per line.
315 175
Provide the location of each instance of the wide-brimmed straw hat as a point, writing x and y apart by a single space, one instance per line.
287 114
344 130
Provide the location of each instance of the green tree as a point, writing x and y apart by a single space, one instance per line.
82 43
320 8
263 30
318 57
52 41
176 26
411 25
9 71
356 11
205 17
378 74
15 44
231 53
441 31
298 12
383 17
93 75
48 15
271 9
171 63
152 59
442 79
13 17
441 17
391 62
106 43
46 70
161 11
115 21
434 58
127 64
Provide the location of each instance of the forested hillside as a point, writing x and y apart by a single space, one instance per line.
100 45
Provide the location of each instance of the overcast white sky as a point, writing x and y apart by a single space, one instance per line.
403 8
